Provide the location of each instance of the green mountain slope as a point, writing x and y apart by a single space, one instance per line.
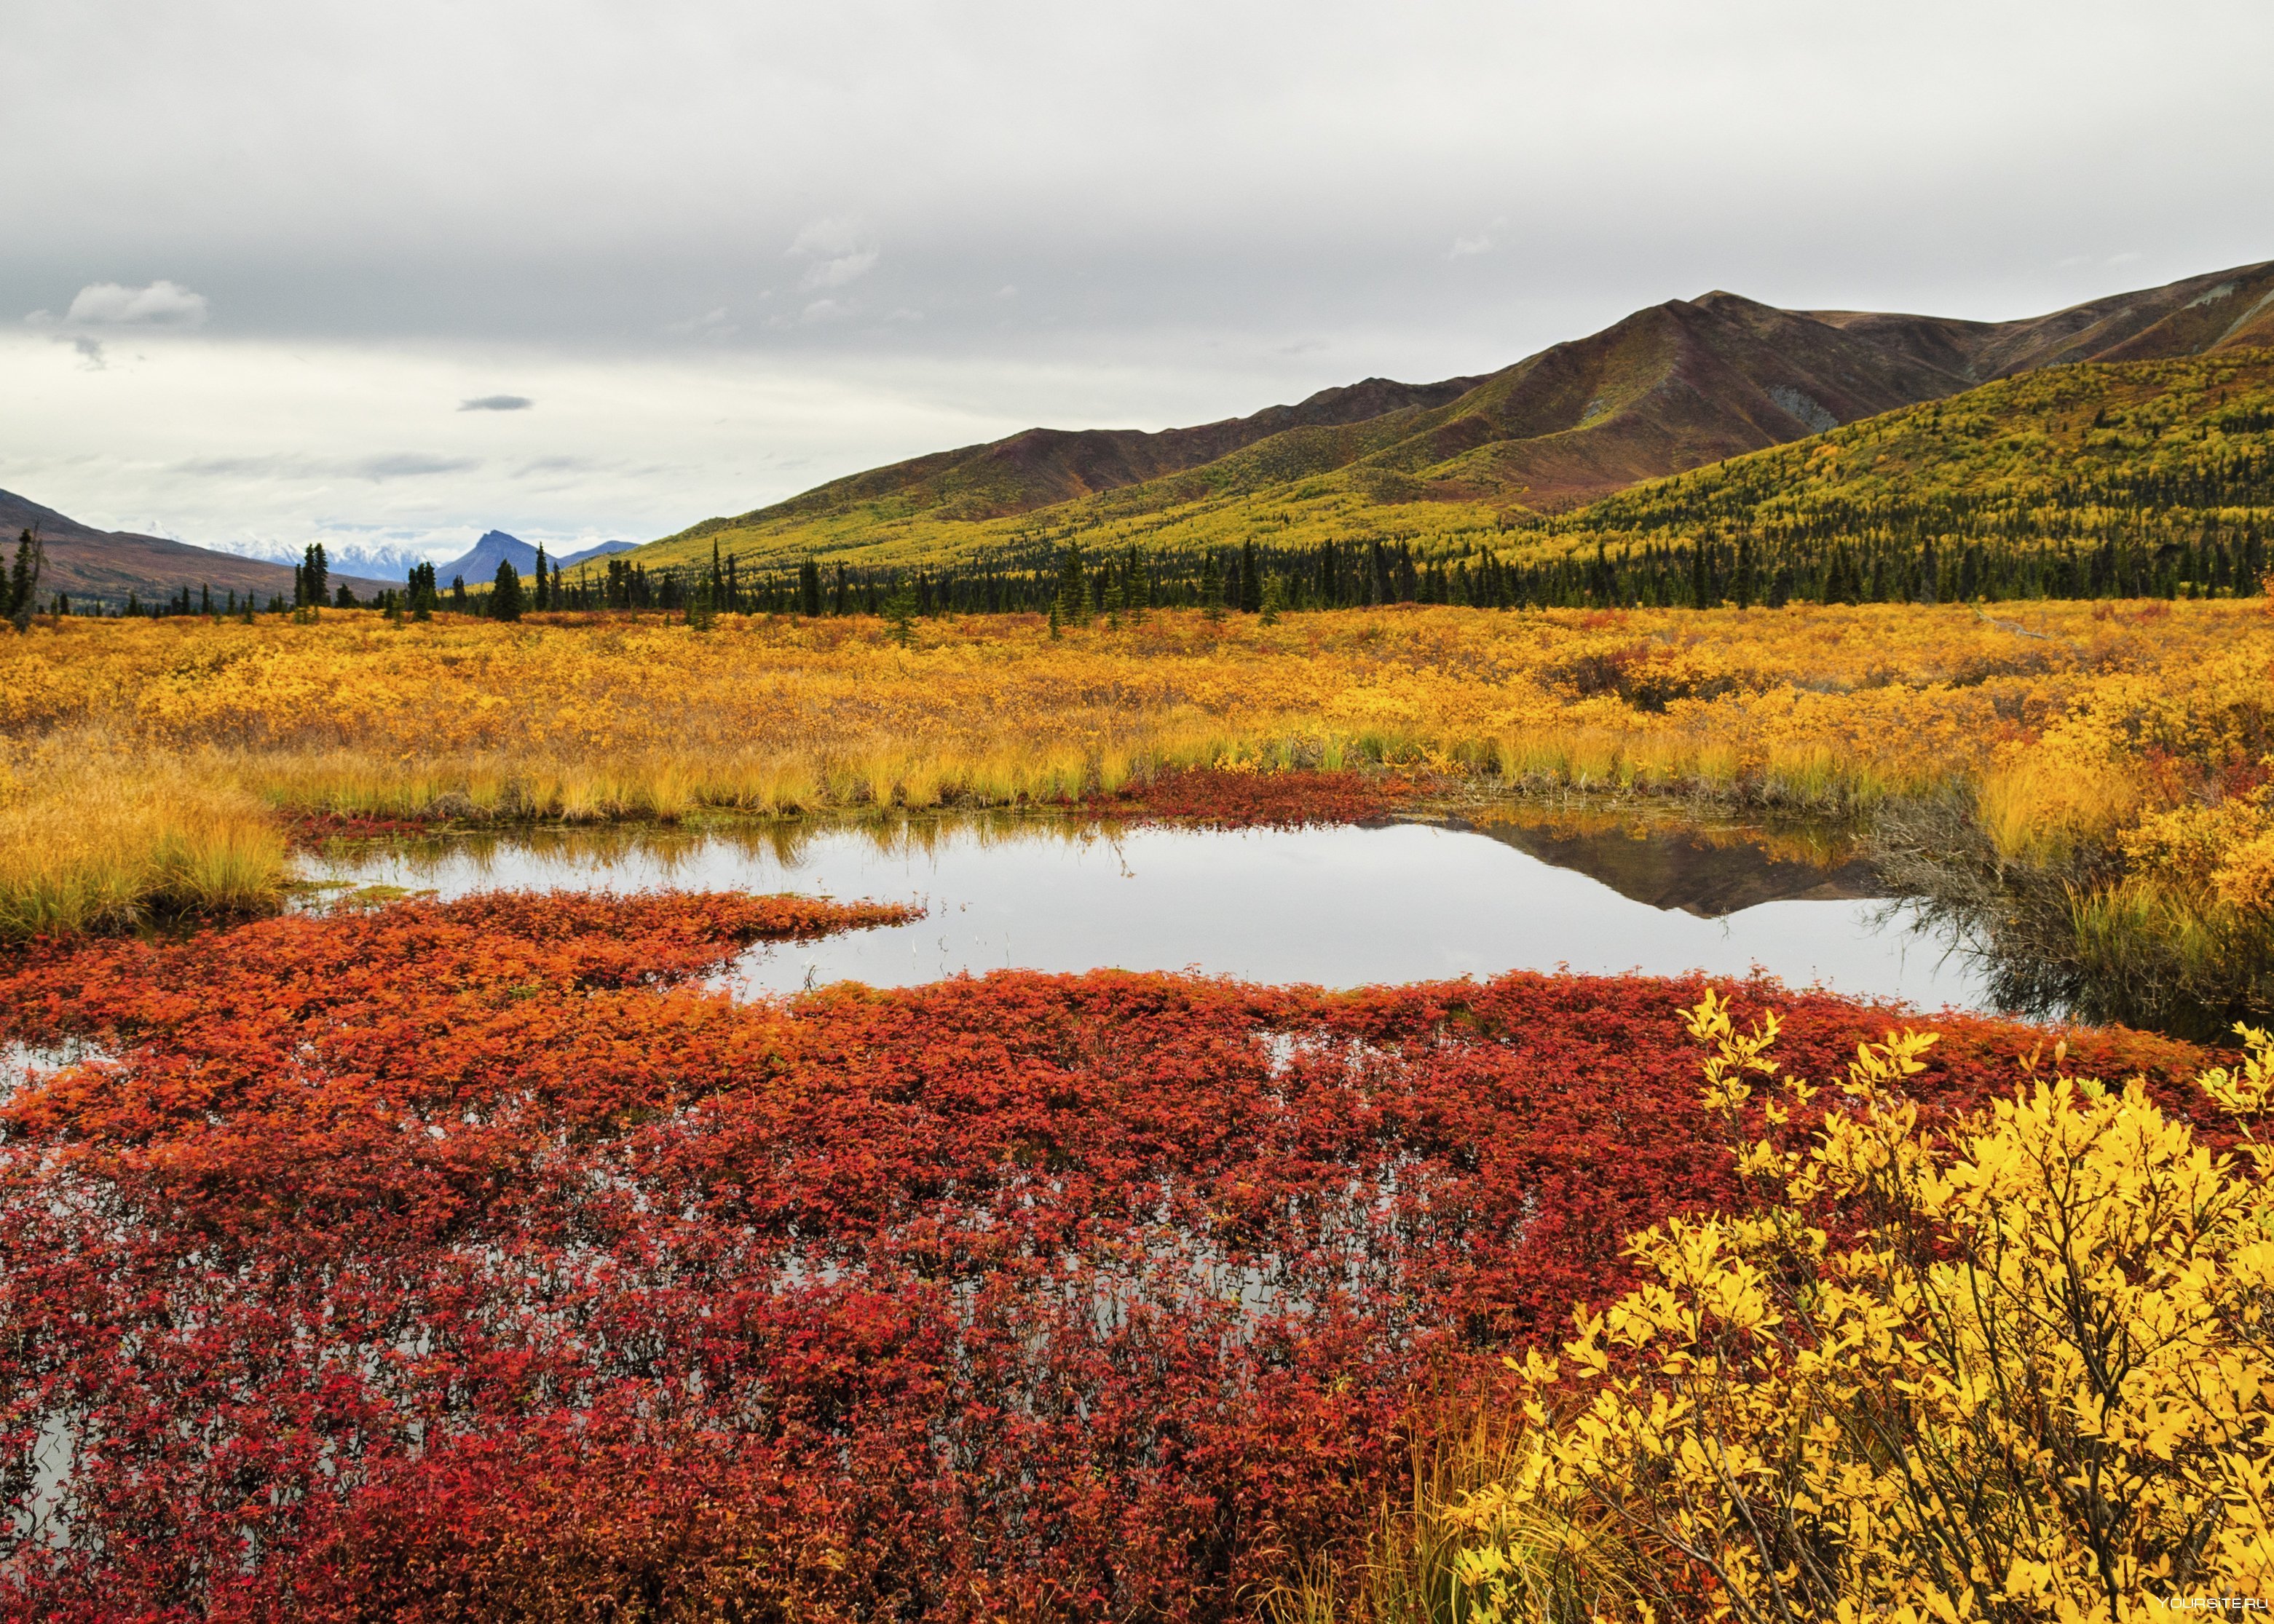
2130 479
1456 463
2065 453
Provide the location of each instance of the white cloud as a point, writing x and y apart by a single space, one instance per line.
113 304
836 272
824 310
1474 243
837 252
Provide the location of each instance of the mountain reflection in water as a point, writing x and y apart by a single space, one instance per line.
1337 906
1687 871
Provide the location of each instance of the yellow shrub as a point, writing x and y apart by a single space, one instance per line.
2037 1385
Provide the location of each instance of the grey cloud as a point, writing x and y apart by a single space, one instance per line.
408 465
711 324
1325 168
497 402
837 253
391 465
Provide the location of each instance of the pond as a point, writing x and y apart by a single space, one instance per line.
1340 907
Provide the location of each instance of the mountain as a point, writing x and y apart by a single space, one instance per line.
1673 387
2152 454
1039 467
607 549
105 566
479 566
386 563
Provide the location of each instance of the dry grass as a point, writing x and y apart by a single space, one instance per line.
94 837
1826 708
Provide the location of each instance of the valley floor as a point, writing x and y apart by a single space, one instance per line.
488 1257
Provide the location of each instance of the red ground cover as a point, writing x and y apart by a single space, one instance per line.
1217 799
476 1261
312 829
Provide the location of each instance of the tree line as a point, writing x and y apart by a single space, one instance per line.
1769 568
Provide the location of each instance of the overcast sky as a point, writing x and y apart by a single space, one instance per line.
287 272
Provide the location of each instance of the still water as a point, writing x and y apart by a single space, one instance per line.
1339 907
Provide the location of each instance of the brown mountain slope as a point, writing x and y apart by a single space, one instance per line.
2222 310
1039 467
1685 383
89 564
1668 388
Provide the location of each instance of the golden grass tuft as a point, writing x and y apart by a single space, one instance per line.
2037 810
96 838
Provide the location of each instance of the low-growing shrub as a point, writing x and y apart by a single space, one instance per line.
480 1259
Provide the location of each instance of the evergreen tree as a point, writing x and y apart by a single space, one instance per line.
24 581
701 608
900 612
458 593
311 581
1073 592
808 589
505 593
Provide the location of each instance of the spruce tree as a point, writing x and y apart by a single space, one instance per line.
1071 603
900 612
24 581
505 592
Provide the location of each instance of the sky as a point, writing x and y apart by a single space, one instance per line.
391 275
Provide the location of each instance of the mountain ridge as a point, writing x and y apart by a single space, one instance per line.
92 564
477 565
1673 386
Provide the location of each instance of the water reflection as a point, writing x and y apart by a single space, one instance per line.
1710 873
1338 907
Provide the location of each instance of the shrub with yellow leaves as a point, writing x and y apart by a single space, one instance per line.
2033 1380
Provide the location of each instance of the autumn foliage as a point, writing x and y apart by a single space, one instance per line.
2029 1383
483 1261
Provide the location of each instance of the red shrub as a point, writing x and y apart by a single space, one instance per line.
1217 798
473 1261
